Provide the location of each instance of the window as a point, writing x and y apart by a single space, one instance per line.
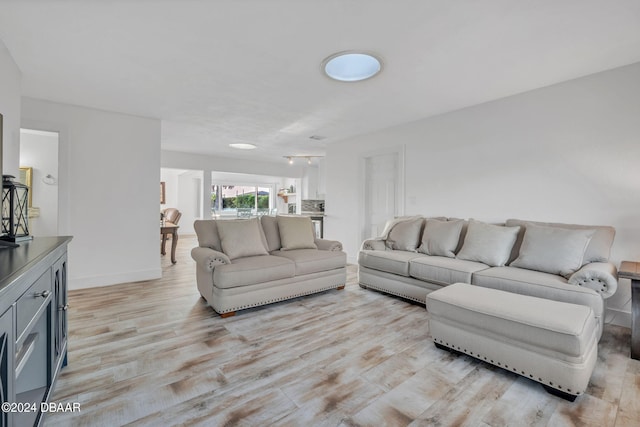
240 200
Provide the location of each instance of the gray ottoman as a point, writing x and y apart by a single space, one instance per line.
554 343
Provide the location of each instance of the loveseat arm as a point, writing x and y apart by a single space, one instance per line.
373 245
602 277
208 258
328 245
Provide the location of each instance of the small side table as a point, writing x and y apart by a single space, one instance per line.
631 270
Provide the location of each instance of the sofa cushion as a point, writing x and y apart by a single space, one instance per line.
487 243
207 232
538 284
444 270
405 235
296 232
553 250
271 232
598 250
441 238
309 261
395 262
388 226
252 270
242 238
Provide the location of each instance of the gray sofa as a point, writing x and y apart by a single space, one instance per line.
562 262
251 262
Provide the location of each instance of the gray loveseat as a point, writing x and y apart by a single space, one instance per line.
251 262
562 262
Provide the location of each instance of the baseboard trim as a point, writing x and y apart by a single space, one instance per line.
107 280
618 317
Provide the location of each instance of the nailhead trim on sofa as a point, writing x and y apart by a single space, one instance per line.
256 304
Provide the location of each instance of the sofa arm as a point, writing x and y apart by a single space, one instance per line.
602 277
373 245
207 258
328 245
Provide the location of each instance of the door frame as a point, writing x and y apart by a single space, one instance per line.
62 180
400 151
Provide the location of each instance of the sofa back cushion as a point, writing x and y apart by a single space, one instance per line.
463 233
441 238
488 243
296 232
598 250
271 232
207 232
405 234
553 250
242 238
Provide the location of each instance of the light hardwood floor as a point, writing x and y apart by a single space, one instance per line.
154 354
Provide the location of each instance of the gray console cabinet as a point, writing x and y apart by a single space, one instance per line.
33 326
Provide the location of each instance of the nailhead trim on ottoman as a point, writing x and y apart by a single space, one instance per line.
551 342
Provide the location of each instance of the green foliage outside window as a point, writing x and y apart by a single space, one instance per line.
245 201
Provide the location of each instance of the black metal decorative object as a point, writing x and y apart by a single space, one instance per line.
15 205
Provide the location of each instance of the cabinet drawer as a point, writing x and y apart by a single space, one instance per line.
31 301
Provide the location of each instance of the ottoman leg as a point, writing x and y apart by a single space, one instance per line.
562 394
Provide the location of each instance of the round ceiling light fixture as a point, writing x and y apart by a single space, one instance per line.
351 66
243 146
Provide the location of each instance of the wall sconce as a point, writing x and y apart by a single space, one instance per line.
49 179
15 206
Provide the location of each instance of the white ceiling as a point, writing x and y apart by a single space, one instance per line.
223 71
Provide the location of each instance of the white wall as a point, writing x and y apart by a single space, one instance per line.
565 153
170 179
108 190
10 109
309 184
322 178
39 151
178 160
180 194
190 200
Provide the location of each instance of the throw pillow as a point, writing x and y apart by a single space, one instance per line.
440 238
241 238
598 250
553 250
271 232
208 236
487 243
405 235
296 232
388 226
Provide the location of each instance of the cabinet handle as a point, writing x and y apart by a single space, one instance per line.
63 307
42 294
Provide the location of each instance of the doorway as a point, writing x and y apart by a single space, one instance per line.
39 170
183 191
382 191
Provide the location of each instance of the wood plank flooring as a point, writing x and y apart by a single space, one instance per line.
154 354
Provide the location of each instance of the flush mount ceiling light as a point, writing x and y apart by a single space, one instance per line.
351 66
243 146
